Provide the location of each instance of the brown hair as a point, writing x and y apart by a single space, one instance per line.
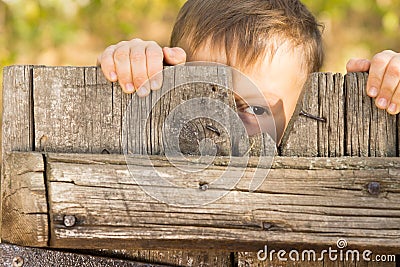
248 29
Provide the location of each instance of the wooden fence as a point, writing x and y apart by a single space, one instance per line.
67 185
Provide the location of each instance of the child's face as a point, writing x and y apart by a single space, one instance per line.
279 81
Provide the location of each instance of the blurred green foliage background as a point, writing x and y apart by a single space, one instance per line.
74 32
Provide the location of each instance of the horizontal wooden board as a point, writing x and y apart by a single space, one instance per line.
313 201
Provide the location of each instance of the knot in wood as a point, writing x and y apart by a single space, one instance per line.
69 220
374 188
17 261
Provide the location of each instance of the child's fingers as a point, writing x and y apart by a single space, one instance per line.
123 68
358 65
154 55
174 56
376 73
139 67
106 61
389 85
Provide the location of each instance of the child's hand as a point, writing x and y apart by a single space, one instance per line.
384 79
133 62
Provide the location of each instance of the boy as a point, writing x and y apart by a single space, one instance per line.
276 43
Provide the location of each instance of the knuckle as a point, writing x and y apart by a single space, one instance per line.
121 44
137 56
110 48
154 54
380 59
136 40
393 70
121 54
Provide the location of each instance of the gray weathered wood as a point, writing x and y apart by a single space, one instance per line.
85 112
331 142
301 135
77 110
17 125
370 131
354 127
313 201
24 200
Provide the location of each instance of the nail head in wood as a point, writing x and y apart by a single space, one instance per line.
17 261
69 220
203 186
267 226
374 188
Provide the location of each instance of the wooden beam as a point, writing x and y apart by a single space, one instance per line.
74 109
313 201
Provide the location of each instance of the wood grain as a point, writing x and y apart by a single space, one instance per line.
354 127
74 109
24 200
312 201
370 131
17 124
301 136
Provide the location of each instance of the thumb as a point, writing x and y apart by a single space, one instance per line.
174 56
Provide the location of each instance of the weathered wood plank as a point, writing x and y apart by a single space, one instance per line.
354 126
329 199
301 136
24 201
331 140
76 110
370 131
17 124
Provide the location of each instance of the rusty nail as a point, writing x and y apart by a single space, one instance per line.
69 220
213 129
17 261
308 115
374 188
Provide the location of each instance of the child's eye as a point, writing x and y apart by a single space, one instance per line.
256 110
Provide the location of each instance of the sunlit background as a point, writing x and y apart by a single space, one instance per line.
74 32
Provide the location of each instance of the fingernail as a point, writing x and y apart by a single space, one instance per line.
392 108
155 85
373 92
382 103
171 53
113 76
142 92
129 88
